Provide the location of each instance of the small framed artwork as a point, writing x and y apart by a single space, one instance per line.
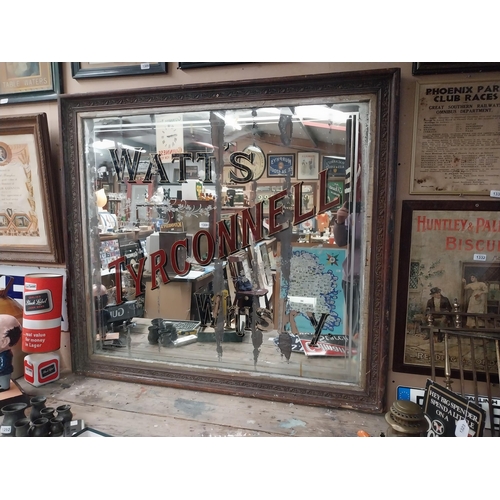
192 65
334 164
434 68
107 69
29 82
307 165
192 172
335 189
281 165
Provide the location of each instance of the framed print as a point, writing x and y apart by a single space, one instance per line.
29 232
334 164
192 172
335 189
191 65
307 165
29 82
308 196
455 143
107 69
434 68
449 250
281 165
264 191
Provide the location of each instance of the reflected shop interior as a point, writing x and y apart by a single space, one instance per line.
211 237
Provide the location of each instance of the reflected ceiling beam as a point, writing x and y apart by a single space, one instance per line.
330 126
309 133
300 144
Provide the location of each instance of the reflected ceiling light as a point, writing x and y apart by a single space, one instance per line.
320 112
107 144
230 119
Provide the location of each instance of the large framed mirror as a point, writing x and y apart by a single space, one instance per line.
235 237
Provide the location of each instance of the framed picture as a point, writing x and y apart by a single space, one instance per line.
191 65
281 165
30 205
334 164
107 69
434 68
192 172
29 82
443 244
264 191
454 144
308 196
307 165
335 189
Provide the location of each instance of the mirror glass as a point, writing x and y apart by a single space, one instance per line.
214 239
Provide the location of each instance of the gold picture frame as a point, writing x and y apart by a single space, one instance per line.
28 193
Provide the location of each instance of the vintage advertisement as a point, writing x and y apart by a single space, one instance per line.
456 144
21 206
450 258
19 77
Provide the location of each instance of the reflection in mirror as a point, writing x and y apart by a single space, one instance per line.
224 251
234 246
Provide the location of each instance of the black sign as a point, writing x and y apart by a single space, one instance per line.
122 312
446 411
48 370
335 164
132 251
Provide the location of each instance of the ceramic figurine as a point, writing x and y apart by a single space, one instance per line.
10 333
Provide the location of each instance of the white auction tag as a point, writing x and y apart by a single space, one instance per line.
4 101
204 225
144 65
480 256
494 193
462 429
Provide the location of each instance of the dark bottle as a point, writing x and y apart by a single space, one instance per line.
37 403
23 427
12 413
64 411
57 426
41 427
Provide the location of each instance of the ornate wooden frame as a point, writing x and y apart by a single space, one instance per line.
41 242
380 86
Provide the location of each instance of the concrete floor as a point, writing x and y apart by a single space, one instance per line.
134 410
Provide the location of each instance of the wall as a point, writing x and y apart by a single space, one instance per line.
263 70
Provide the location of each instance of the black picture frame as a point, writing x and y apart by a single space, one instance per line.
50 93
288 160
127 69
192 65
427 261
437 68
